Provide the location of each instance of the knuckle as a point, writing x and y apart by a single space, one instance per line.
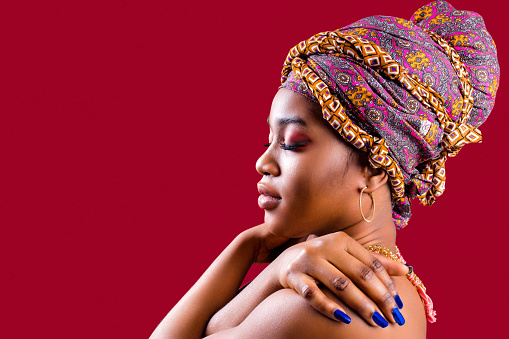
318 243
391 285
387 299
338 236
367 273
342 237
290 269
308 292
377 265
305 252
340 284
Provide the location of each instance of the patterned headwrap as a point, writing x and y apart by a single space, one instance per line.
410 93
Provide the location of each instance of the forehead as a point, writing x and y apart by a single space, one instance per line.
289 107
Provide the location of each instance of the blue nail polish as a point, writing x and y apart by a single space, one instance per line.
399 302
379 320
342 316
398 316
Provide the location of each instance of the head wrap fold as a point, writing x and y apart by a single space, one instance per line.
410 93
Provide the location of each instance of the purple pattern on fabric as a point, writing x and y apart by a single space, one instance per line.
383 108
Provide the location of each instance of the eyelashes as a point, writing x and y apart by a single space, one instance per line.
288 147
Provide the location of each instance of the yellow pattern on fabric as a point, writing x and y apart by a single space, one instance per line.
439 19
456 134
417 60
359 95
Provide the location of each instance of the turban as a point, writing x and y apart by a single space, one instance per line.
409 93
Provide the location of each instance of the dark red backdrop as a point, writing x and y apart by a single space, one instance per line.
130 135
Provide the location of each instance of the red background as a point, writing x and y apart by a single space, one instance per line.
130 135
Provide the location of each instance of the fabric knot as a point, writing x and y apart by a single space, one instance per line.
433 171
458 135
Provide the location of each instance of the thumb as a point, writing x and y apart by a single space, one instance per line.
392 267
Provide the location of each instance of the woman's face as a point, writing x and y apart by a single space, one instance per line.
312 175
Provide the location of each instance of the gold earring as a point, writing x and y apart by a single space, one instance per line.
360 205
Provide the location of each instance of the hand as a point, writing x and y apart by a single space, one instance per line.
336 260
268 246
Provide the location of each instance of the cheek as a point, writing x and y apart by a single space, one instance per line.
294 216
300 182
331 190
328 192
317 195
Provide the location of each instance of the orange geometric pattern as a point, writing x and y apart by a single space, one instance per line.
456 134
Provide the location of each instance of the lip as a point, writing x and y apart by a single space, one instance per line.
268 199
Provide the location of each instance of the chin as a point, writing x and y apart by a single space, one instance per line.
284 228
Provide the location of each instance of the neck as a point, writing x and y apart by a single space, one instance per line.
381 231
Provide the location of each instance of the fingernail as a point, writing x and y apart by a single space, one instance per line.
379 320
398 316
398 301
342 316
410 269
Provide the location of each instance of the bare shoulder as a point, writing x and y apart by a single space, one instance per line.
285 314
413 311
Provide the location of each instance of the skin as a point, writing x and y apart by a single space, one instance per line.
320 192
319 180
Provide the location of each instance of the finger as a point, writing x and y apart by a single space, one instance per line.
371 284
392 267
307 288
345 290
375 265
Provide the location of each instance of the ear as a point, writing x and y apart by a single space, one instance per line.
374 178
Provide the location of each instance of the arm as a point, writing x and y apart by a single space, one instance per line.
245 302
335 260
217 285
212 291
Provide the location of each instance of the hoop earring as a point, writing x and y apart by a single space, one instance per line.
360 205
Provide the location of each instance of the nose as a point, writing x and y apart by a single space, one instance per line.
267 164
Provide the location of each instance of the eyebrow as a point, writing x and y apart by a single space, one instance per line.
290 120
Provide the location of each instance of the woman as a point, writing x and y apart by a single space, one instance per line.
393 126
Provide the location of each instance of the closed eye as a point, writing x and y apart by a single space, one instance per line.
287 147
